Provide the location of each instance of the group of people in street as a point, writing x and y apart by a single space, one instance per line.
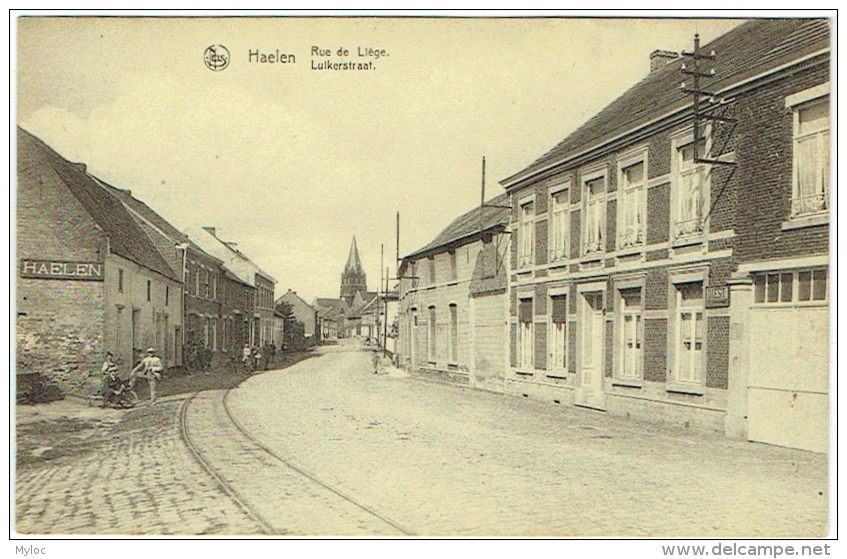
258 358
113 388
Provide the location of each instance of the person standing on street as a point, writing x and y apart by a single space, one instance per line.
108 363
149 368
272 354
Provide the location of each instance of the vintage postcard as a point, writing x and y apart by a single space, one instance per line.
515 276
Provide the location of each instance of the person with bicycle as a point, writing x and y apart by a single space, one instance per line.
113 389
149 368
245 357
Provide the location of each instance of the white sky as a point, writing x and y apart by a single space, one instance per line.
291 162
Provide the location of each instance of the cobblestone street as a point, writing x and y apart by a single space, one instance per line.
332 449
135 476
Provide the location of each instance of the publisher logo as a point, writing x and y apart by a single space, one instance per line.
216 58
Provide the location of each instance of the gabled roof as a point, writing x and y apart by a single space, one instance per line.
338 304
126 237
368 298
233 259
751 49
229 275
495 213
146 212
291 296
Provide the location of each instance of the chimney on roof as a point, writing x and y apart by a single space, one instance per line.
211 230
658 59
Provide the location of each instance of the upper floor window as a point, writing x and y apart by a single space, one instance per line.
595 213
149 289
810 189
691 185
453 266
559 222
632 179
120 280
431 269
526 236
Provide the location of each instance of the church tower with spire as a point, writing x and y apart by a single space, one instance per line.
353 279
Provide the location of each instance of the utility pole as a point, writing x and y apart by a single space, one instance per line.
481 221
381 263
385 320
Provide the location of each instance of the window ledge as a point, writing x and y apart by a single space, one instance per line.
688 241
631 250
563 376
591 258
627 383
805 221
685 389
558 263
524 373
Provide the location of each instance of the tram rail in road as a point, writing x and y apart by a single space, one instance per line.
280 496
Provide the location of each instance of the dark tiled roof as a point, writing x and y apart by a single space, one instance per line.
744 52
126 237
233 277
150 215
468 225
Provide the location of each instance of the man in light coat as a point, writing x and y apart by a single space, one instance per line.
151 369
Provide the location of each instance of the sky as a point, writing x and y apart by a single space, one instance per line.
291 162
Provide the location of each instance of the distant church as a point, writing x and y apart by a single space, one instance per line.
353 278
363 313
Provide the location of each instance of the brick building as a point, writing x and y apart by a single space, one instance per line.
215 301
261 325
452 301
648 281
90 278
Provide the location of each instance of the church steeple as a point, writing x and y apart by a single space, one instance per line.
353 279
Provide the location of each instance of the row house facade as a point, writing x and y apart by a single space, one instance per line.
657 278
332 317
90 278
250 316
452 305
215 301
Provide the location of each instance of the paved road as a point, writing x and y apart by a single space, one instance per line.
332 449
135 476
443 460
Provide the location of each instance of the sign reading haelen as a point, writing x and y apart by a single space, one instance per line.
51 269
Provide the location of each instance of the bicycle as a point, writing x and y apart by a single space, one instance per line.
237 365
122 397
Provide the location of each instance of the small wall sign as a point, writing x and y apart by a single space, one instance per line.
717 297
52 269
